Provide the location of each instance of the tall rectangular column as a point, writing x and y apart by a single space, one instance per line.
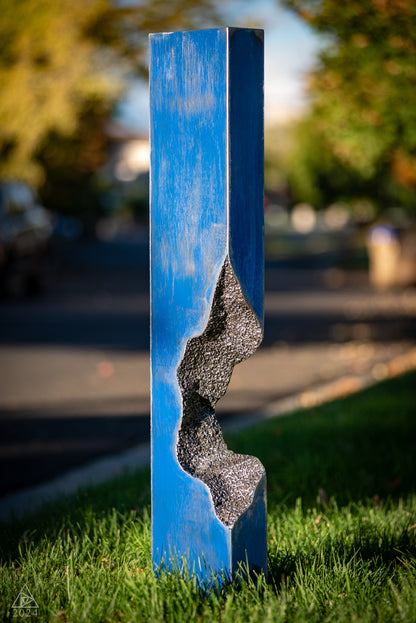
206 102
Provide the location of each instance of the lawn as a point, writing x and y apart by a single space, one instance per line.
341 530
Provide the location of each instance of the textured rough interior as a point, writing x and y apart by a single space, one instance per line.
232 334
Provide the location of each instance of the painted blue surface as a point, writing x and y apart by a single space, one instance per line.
247 163
201 211
249 534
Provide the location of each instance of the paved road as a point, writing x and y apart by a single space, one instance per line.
75 381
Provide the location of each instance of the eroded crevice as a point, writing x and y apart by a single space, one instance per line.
232 334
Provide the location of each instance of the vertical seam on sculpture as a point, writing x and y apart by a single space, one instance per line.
227 137
150 279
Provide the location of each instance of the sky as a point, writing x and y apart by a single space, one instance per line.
290 51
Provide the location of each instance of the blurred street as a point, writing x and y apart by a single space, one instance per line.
75 363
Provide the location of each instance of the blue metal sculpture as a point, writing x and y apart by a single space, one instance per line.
206 101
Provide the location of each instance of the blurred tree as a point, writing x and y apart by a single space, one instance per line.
363 90
301 166
315 174
47 69
62 66
70 162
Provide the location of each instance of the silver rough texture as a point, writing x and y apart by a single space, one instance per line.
232 334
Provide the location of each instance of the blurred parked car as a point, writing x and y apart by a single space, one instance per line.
25 233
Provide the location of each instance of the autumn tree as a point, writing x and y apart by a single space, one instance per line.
363 89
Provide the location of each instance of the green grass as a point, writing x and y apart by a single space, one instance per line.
341 530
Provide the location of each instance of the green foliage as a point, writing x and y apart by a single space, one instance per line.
351 557
364 100
313 172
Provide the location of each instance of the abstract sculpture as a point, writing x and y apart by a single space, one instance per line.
206 102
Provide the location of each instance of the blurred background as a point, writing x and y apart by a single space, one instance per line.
340 199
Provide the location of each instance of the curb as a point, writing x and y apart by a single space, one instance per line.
15 505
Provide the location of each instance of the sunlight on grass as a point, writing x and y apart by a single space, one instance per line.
341 531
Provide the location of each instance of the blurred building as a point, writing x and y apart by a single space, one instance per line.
125 176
